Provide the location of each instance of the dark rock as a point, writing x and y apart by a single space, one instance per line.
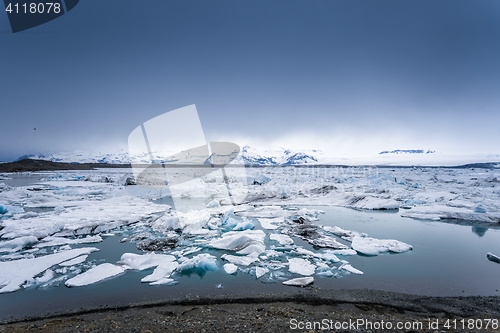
157 244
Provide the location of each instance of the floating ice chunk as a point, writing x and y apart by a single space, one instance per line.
164 281
282 239
76 261
301 266
260 271
325 241
244 242
17 244
230 268
240 260
59 209
323 270
372 246
329 255
492 257
14 273
213 203
372 203
350 269
266 212
46 277
244 225
144 261
95 274
348 235
344 252
201 262
56 241
161 274
299 282
192 250
269 224
479 209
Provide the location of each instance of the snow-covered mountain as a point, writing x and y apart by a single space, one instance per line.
81 156
247 156
407 151
251 156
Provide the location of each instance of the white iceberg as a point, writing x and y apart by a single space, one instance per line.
260 271
282 239
299 282
230 268
244 242
14 273
241 260
301 266
95 274
17 244
372 246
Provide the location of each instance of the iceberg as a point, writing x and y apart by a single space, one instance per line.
301 266
14 273
244 242
230 268
240 260
201 262
372 246
17 244
282 239
299 282
95 274
260 271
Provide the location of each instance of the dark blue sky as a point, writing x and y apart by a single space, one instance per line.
351 77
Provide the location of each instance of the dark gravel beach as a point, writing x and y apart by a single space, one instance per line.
308 310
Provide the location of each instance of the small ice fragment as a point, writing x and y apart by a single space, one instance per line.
230 268
243 225
282 239
299 282
269 223
260 271
240 260
219 286
213 203
59 209
301 266
95 274
349 268
202 262
493 257
344 252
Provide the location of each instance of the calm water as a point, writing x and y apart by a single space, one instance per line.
447 260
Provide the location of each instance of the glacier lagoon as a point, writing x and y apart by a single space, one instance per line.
447 259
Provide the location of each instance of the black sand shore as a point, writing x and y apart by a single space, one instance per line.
306 310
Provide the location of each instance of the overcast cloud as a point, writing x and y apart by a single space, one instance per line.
348 77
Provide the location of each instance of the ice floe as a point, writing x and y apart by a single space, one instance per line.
299 282
95 274
301 266
13 274
372 246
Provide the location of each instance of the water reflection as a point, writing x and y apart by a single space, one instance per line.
480 231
